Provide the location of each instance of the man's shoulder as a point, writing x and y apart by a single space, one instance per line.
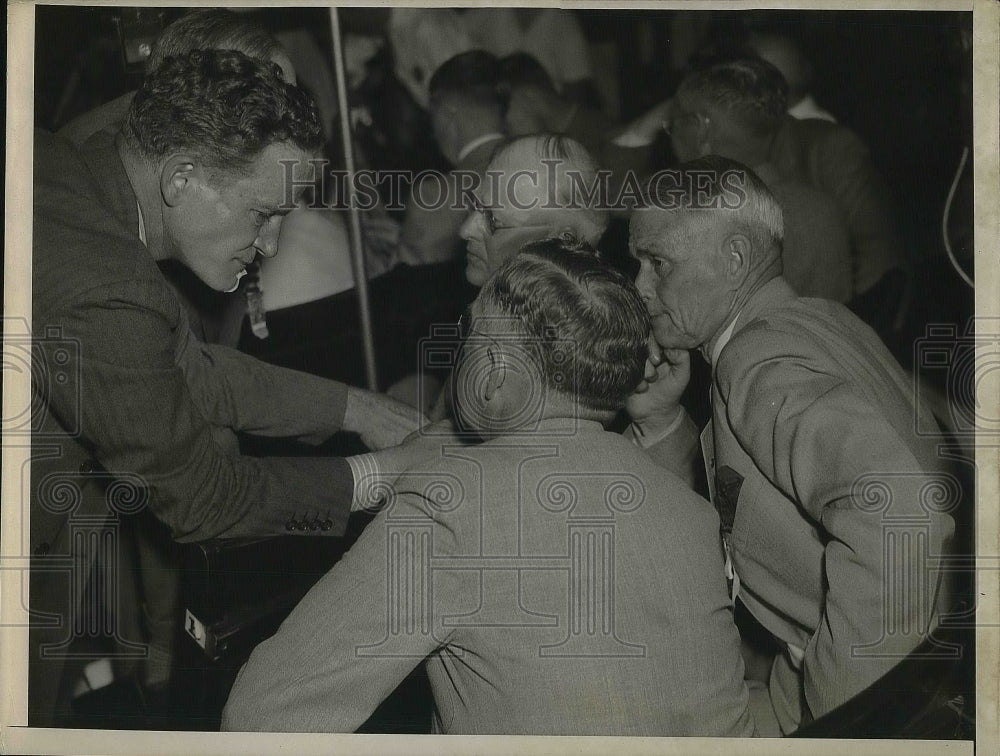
816 145
790 330
81 245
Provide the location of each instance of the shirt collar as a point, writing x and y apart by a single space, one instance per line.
724 338
478 142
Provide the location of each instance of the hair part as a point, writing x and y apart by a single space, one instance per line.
222 106
212 29
584 320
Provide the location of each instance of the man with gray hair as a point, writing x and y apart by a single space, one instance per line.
812 421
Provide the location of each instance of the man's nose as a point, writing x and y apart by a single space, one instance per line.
644 281
267 239
473 226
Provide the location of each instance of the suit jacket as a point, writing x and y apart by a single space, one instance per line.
557 583
832 159
816 253
133 411
822 487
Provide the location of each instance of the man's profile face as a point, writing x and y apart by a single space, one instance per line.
224 221
681 273
510 212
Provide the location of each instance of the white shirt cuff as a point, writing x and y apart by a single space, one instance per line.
370 490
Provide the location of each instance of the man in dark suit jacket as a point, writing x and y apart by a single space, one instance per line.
811 454
556 580
138 412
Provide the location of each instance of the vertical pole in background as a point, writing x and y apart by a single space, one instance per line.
357 249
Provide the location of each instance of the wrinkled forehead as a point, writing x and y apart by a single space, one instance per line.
650 223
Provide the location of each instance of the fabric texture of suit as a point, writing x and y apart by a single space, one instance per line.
831 158
556 582
135 412
816 252
818 475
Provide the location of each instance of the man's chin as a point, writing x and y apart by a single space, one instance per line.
668 337
475 272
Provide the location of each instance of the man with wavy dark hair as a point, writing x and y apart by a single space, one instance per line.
553 579
198 175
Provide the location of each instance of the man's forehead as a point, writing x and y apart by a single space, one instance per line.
652 222
280 171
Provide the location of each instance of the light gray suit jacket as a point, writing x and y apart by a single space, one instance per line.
555 584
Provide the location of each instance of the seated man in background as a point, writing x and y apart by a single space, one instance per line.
536 107
467 104
194 176
639 641
825 156
811 453
735 110
782 53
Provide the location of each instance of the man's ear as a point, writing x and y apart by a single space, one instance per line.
736 253
569 236
497 373
180 175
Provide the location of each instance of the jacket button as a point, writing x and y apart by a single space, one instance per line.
291 525
327 525
42 549
87 466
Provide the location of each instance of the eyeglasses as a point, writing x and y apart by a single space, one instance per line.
492 224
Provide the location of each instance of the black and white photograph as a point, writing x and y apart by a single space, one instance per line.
400 371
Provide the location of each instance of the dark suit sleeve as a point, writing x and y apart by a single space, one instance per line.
240 392
138 414
819 442
357 634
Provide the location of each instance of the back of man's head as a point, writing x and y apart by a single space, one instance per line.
471 79
221 106
213 29
565 173
748 90
585 321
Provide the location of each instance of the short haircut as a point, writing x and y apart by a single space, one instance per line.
715 184
750 89
575 168
212 29
586 321
222 106
474 77
523 70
